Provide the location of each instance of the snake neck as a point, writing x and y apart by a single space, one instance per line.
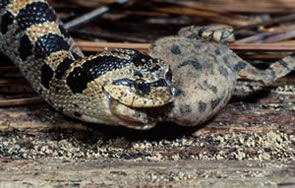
34 39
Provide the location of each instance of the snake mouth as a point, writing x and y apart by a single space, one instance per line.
130 117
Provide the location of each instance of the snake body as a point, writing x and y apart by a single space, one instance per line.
111 87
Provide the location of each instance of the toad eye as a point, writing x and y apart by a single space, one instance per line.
142 88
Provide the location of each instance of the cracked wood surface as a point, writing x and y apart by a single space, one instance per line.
114 173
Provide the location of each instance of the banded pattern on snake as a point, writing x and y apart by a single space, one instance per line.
111 87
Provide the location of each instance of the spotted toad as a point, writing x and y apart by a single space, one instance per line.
206 70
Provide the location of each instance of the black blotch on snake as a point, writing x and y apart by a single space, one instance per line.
7 19
4 3
46 75
50 43
63 67
92 69
140 59
33 14
26 47
77 114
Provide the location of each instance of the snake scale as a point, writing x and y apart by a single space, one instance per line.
124 86
107 88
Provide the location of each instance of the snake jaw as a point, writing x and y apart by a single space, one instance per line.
129 117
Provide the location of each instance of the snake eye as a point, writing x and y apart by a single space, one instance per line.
142 87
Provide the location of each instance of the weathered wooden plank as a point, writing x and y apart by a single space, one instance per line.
114 173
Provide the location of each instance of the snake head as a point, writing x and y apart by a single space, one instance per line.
145 82
120 87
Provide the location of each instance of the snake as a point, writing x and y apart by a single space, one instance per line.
185 79
112 87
